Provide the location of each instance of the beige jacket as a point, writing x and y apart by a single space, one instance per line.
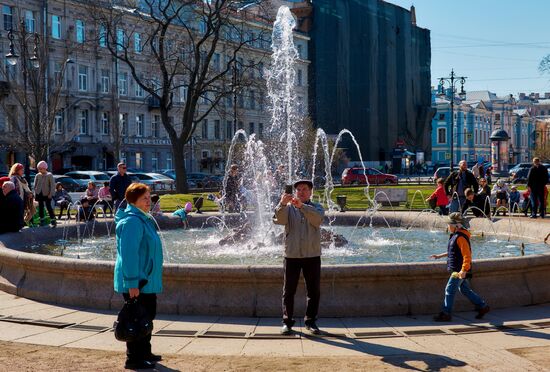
44 184
302 229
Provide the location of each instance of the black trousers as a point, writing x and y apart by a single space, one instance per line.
311 269
141 349
44 200
537 201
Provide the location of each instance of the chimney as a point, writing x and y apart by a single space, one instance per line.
413 15
547 95
537 96
522 96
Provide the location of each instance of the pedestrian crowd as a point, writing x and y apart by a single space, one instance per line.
464 190
22 205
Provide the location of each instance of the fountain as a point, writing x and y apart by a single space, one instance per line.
211 271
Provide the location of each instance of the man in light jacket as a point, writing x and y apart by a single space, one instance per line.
44 189
302 220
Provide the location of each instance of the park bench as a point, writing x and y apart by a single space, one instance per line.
390 196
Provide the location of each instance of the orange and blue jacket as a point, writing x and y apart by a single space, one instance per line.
459 252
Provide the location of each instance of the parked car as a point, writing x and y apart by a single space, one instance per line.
519 166
68 183
356 176
156 181
130 174
83 177
443 172
520 176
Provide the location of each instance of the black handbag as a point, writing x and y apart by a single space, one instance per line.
133 322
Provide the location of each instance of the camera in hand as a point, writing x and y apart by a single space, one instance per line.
288 189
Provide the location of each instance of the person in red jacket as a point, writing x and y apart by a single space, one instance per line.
439 198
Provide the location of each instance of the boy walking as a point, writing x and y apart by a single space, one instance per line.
459 264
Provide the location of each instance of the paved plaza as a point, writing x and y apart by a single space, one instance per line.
514 339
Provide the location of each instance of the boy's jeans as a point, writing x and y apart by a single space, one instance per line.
463 286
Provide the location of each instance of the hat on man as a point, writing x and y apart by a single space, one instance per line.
307 182
456 218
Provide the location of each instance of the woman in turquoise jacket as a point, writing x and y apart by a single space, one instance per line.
138 267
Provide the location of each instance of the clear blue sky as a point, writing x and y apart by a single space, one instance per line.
497 44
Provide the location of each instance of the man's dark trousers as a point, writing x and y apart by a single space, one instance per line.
537 200
311 268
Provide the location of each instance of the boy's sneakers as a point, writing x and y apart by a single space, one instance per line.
484 310
312 327
443 317
286 330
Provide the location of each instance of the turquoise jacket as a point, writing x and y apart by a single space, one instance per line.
139 252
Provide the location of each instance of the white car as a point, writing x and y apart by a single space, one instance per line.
156 181
83 177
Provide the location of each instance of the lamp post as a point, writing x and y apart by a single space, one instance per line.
452 80
12 58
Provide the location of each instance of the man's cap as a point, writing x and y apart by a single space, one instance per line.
457 218
307 182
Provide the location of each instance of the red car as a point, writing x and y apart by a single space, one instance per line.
356 176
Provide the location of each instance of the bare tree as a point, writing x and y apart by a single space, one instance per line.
33 94
178 51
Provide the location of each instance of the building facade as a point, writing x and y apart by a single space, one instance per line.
370 73
475 118
100 95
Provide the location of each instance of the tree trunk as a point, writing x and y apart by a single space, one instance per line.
179 167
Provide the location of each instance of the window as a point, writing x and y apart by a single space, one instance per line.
441 135
205 128
105 123
252 100
216 129
58 124
250 128
299 50
240 125
261 102
137 43
139 125
183 93
240 98
123 156
139 160
120 39
83 122
56 27
299 77
229 129
497 116
441 117
229 100
83 78
105 81
123 122
8 17
251 67
169 161
261 69
155 124
260 130
102 36
205 100
202 27
216 61
80 34
140 93
57 67
29 21
154 161
123 83
300 104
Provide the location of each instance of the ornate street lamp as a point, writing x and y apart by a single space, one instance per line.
452 80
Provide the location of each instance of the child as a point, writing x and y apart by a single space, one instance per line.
105 198
440 198
459 264
86 212
183 212
476 203
155 206
514 199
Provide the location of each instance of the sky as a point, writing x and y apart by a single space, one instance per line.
497 44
